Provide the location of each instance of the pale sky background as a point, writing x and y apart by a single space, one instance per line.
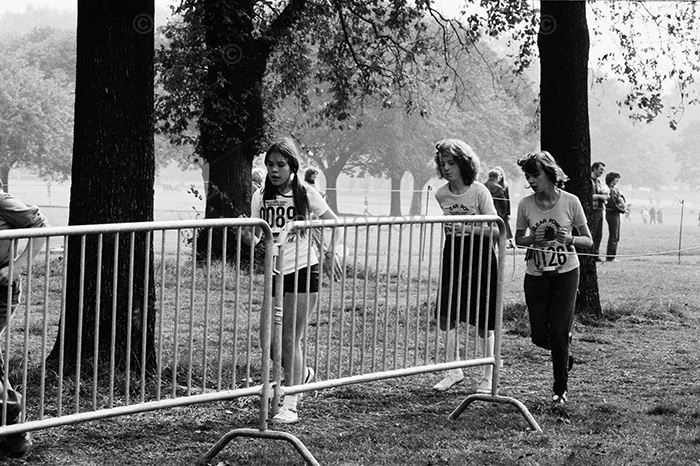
21 5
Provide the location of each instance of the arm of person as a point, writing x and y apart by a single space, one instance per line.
582 240
483 229
486 207
331 245
250 235
20 264
521 239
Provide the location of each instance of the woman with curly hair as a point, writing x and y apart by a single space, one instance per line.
469 266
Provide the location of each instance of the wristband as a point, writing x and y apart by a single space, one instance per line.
573 241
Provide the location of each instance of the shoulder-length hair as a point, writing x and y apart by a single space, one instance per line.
288 149
499 175
611 176
535 162
463 155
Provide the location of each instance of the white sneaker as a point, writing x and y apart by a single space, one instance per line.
450 379
286 416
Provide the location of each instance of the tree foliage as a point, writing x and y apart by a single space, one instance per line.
656 54
36 106
686 152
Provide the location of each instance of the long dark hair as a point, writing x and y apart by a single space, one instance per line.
288 149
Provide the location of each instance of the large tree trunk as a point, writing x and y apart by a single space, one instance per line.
112 180
419 184
395 204
232 122
564 44
332 174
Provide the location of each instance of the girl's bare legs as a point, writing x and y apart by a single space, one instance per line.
454 376
293 358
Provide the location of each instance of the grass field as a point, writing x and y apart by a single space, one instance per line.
634 392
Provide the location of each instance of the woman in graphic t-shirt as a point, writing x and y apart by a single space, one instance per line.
282 199
468 278
549 216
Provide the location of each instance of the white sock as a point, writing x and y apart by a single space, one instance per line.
290 402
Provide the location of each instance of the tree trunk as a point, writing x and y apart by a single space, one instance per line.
5 177
112 181
332 175
564 44
232 122
395 204
419 184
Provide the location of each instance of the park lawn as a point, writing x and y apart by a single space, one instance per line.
634 393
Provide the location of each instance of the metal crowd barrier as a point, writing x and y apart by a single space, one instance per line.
378 321
198 339
200 330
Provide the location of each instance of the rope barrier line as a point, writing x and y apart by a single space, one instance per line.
647 254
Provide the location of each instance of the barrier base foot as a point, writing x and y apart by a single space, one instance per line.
269 434
497 399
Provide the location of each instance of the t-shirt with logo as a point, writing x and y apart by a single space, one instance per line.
476 200
551 255
278 212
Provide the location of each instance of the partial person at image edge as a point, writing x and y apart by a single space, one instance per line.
15 214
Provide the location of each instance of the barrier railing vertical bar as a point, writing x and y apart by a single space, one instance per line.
353 296
479 280
98 308
408 307
113 329
222 307
129 319
397 297
266 328
498 336
205 326
176 316
160 317
81 312
7 309
385 295
62 328
27 313
249 307
145 309
235 316
44 329
365 284
190 323
375 313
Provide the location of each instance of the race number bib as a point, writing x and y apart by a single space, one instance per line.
548 257
277 214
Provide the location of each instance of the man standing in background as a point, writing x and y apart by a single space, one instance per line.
600 197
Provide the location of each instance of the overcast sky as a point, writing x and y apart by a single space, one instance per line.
21 5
